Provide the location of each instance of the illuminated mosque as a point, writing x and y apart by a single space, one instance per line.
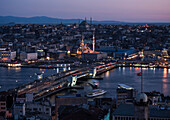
89 54
85 49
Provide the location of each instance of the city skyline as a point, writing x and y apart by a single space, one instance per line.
117 10
84 60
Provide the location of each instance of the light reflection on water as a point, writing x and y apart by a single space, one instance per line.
17 69
153 79
107 74
165 80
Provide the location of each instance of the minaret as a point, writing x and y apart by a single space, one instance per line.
93 43
90 23
90 20
82 41
79 21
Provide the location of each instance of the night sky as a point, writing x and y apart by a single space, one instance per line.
118 10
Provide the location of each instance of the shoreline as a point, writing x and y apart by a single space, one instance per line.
72 66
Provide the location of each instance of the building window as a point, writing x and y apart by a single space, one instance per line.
2 107
3 104
35 109
47 109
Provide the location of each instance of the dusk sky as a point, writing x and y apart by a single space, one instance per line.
118 10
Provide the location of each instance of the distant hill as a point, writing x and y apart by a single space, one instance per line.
45 20
10 20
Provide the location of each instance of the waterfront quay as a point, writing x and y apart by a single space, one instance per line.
39 64
144 64
66 64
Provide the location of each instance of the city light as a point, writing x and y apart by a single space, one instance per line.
68 52
48 58
14 65
54 63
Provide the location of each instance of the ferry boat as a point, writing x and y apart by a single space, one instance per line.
14 64
124 86
96 92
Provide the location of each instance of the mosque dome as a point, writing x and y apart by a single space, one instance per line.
84 24
141 98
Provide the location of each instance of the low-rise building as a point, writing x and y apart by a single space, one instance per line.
127 112
6 102
125 94
94 56
58 55
28 56
3 106
32 109
7 55
18 111
67 100
141 110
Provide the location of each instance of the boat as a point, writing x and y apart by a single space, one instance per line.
96 92
123 86
16 64
94 83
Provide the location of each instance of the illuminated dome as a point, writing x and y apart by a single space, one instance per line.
141 98
83 48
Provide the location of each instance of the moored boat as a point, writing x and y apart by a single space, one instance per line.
94 83
96 92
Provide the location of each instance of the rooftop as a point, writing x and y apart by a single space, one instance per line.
128 110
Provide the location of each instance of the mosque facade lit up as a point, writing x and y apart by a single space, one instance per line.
85 49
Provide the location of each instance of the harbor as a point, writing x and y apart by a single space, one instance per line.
108 80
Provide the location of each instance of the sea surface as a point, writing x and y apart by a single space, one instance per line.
13 77
154 79
157 79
